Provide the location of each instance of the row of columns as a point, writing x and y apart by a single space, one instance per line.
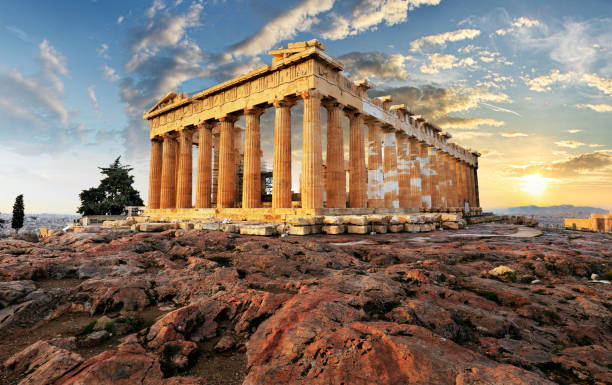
402 171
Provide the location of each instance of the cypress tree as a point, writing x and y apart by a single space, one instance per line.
18 213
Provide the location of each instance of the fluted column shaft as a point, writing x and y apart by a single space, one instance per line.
204 179
433 173
376 192
460 183
442 185
336 176
403 169
155 172
476 191
357 190
215 168
415 174
425 176
312 152
176 170
251 186
168 178
281 179
450 186
455 182
226 194
184 184
390 169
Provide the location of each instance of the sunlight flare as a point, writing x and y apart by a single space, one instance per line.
534 184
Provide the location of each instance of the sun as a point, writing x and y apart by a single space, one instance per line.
534 184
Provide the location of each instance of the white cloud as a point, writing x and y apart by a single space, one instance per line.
103 51
120 19
574 131
517 24
513 134
471 134
53 65
469 123
282 27
543 83
442 38
569 143
438 61
368 14
596 107
109 73
157 5
375 65
92 96
599 82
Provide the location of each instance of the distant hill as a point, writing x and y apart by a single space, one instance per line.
551 214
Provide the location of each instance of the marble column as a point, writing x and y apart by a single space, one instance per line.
442 185
476 191
281 169
376 192
184 185
204 179
176 169
454 169
450 186
157 148
425 176
251 186
390 168
403 169
357 185
433 173
215 168
335 176
168 176
460 183
312 152
415 174
226 195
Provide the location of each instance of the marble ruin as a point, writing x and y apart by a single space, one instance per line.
597 222
409 165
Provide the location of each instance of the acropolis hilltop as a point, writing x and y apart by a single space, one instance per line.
409 166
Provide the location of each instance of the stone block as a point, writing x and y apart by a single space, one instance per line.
412 227
332 220
396 220
265 230
230 228
450 225
153 227
357 220
300 230
377 219
316 229
334 229
135 227
358 229
396 228
186 226
296 220
447 217
215 226
426 227
380 229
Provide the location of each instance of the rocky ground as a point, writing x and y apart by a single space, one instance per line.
198 307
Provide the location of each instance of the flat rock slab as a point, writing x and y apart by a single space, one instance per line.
265 230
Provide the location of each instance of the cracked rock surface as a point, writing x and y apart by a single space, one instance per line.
200 307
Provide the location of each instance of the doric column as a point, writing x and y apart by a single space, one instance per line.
176 169
185 169
460 183
357 184
442 187
281 169
476 191
469 181
251 185
448 175
454 169
226 195
168 177
425 176
157 148
466 179
204 179
215 167
415 174
336 176
403 169
390 168
312 152
433 174
376 192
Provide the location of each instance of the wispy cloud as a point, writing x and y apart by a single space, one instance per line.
375 65
500 109
571 167
109 73
517 24
19 33
92 96
469 123
438 61
513 134
596 107
574 131
441 39
569 143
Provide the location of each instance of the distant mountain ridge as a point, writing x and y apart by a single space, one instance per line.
550 210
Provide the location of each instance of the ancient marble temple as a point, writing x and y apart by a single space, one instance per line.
403 164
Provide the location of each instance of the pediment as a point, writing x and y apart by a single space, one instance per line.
171 99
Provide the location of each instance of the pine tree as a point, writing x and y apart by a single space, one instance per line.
114 193
18 213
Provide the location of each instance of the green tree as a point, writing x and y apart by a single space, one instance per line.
114 193
18 213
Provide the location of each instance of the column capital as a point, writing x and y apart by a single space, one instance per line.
387 128
209 124
157 138
229 118
170 135
310 94
330 103
352 113
187 130
285 102
257 111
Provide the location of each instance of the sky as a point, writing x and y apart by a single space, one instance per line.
526 83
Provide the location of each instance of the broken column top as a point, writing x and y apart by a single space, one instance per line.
293 48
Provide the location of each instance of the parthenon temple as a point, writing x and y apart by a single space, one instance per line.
397 161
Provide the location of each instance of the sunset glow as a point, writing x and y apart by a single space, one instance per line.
534 184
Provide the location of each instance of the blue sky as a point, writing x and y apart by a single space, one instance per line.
527 83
